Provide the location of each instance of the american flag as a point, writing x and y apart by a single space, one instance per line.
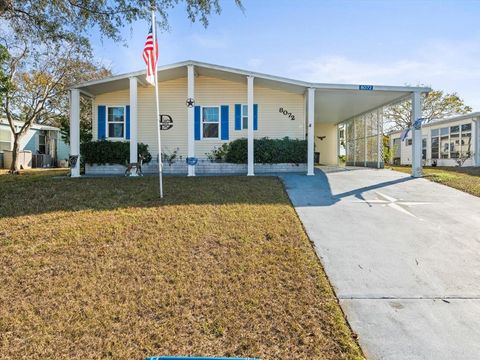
150 56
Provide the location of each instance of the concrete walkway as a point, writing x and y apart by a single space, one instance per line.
403 256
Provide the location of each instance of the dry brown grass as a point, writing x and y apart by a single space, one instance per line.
101 269
462 178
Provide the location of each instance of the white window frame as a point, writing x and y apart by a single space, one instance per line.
107 130
461 132
439 136
242 116
10 142
440 142
425 137
219 122
450 139
44 134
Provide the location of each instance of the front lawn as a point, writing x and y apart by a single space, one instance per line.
462 178
99 268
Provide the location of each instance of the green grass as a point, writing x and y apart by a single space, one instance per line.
100 268
462 178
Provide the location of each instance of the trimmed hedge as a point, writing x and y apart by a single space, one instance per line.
111 152
268 151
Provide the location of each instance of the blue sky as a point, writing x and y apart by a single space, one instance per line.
435 43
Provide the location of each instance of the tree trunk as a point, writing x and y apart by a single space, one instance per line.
14 167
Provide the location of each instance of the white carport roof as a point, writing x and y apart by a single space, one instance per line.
333 102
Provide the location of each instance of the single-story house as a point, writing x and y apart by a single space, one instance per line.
454 141
210 105
41 146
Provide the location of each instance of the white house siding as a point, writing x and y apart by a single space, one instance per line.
328 146
209 91
406 150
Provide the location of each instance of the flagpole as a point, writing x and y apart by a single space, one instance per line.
160 164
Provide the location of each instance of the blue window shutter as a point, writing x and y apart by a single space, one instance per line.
197 122
101 122
127 122
255 116
238 117
224 122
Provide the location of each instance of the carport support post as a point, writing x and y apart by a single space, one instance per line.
379 137
476 142
250 140
191 116
311 131
133 122
416 135
75 130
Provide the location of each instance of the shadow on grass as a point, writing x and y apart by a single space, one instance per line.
28 195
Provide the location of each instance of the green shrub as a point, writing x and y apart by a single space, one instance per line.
111 152
218 154
268 151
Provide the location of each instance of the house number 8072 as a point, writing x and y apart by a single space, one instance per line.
287 113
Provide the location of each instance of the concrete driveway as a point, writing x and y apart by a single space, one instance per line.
403 256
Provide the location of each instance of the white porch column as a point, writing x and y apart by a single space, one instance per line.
75 130
191 118
476 142
133 121
354 120
365 142
338 144
250 142
311 132
416 135
379 137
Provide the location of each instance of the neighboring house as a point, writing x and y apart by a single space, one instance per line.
41 146
447 142
124 110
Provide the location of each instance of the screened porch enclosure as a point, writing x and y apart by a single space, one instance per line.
364 139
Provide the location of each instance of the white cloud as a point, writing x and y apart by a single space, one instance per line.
255 63
453 67
212 41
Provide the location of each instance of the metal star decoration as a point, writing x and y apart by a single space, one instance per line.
190 102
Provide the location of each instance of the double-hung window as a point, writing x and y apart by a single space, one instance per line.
210 122
444 143
5 139
454 142
42 142
466 140
116 122
244 117
435 143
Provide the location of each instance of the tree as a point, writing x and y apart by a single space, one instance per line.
85 70
72 19
49 44
4 83
39 78
63 122
436 105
